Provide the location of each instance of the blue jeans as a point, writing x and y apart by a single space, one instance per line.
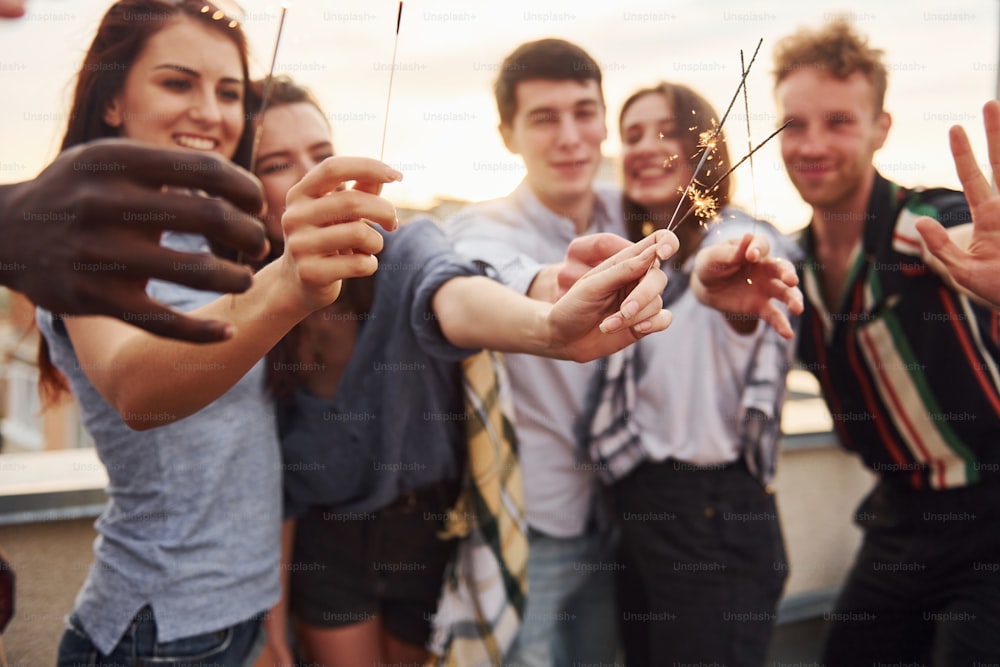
571 614
228 647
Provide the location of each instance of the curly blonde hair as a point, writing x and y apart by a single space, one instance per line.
835 48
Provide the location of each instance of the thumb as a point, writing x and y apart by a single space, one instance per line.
938 242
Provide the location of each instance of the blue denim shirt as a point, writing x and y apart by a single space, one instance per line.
397 421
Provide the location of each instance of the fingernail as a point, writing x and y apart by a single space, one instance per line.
642 327
665 250
612 324
395 175
630 309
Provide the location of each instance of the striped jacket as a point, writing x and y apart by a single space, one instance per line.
907 365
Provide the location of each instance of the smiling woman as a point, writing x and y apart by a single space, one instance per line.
161 61
187 559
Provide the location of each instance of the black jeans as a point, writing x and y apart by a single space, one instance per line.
704 565
925 588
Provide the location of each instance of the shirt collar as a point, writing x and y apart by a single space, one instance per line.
604 217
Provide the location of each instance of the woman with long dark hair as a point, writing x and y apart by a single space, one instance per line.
186 560
701 540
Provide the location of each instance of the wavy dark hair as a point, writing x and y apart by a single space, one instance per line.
121 36
695 115
356 294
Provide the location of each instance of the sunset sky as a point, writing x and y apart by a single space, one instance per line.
442 119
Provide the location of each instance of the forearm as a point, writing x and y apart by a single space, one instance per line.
477 312
152 381
545 286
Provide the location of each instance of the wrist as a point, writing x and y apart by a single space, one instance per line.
278 292
545 285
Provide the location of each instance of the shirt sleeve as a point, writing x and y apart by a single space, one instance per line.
422 245
486 239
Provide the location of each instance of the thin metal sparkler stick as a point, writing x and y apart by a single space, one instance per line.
708 148
753 178
746 157
746 110
392 72
259 129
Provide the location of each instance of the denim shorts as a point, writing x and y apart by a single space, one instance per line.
228 647
353 567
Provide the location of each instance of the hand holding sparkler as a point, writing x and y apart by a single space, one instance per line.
719 280
586 252
327 227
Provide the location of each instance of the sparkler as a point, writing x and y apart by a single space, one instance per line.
753 180
259 130
709 142
392 71
725 175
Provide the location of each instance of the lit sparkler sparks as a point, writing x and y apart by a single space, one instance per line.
710 140
739 162
703 205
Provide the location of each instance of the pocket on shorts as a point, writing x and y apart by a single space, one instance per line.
195 648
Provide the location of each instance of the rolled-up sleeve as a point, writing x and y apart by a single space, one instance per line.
496 244
423 248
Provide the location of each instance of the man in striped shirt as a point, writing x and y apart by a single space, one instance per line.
906 351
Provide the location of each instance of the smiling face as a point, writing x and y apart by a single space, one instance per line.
834 132
295 138
656 170
184 90
557 129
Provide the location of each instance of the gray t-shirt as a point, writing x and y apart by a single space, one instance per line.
192 527
517 236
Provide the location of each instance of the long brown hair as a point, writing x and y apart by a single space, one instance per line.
121 36
356 294
694 115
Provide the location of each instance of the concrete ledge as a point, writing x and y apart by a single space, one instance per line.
51 486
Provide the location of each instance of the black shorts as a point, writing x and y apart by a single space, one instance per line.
351 567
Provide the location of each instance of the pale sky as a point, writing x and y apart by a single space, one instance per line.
442 119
